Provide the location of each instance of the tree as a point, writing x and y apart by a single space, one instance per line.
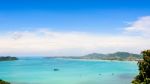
144 69
3 82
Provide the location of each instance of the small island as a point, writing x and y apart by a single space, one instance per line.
8 58
3 82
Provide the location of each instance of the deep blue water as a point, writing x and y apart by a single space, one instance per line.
41 71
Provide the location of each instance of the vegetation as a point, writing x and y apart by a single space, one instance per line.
122 56
8 58
144 69
3 82
114 56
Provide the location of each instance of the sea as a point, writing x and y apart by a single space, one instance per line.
40 70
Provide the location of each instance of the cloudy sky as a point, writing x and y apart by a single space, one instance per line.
73 27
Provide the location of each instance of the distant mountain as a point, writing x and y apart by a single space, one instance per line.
93 56
113 56
122 56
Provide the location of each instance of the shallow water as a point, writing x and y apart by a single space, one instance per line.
41 71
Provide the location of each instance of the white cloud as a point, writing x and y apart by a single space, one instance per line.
140 27
45 42
52 43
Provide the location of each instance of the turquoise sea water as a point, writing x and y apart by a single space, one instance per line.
41 71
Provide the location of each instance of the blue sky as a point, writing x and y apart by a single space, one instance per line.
71 15
100 17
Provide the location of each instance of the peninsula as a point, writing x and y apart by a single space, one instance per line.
121 56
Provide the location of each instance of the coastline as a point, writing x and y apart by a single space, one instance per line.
98 60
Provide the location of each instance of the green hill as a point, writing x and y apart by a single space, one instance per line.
122 56
113 56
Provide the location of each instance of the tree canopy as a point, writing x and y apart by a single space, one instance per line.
3 82
144 69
